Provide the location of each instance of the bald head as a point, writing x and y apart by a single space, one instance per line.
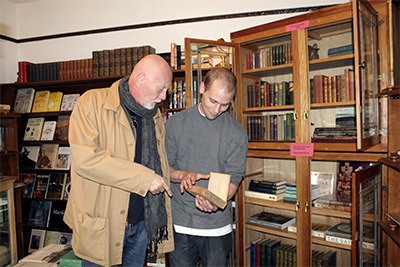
150 80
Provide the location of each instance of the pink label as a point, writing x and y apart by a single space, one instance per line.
302 149
297 26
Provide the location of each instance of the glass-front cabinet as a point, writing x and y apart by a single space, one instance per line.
8 239
201 56
308 100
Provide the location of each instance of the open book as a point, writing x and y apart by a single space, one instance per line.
217 191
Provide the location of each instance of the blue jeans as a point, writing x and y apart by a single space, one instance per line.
135 245
189 249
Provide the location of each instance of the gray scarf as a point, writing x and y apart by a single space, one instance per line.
154 205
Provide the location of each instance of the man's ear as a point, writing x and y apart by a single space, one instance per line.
202 88
140 77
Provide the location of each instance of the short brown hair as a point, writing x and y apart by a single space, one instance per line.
221 73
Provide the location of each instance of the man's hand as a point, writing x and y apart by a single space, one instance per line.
204 205
158 185
188 179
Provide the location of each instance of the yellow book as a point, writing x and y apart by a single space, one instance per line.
54 101
33 129
40 101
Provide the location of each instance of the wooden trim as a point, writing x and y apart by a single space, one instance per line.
163 23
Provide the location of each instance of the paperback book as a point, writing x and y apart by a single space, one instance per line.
56 186
63 160
39 213
24 100
36 240
33 129
61 132
56 216
266 196
40 101
29 181
69 101
47 156
49 128
40 185
54 101
28 157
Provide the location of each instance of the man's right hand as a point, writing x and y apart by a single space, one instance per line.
159 185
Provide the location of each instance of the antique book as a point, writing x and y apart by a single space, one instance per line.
40 101
39 213
69 101
29 180
47 156
36 240
56 185
33 129
62 126
63 160
28 157
24 100
54 101
49 128
217 191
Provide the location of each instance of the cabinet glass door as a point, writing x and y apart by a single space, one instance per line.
366 74
201 56
365 217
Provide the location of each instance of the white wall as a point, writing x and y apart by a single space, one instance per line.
49 17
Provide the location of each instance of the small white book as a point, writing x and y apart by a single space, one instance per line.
49 128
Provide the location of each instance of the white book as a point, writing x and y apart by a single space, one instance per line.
49 128
36 240
266 196
346 241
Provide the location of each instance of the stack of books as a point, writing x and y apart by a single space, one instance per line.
331 202
291 192
335 134
272 220
267 189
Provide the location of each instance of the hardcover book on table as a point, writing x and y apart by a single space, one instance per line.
24 100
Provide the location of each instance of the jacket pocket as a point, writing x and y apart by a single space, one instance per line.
90 237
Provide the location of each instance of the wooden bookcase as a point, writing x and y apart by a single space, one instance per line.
329 27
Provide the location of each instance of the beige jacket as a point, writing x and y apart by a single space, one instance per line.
103 175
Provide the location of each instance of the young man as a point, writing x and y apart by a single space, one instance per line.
200 140
119 172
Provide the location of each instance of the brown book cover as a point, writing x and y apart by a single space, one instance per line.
95 63
217 191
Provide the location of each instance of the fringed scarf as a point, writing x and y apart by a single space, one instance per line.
155 213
